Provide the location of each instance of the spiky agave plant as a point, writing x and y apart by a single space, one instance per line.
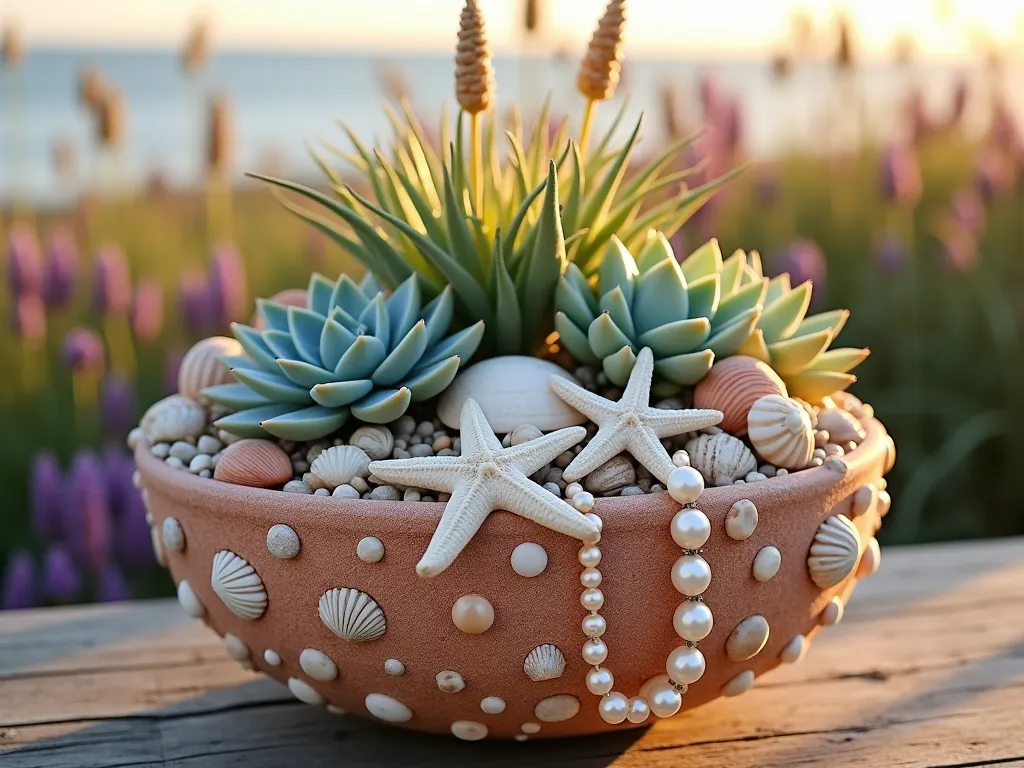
351 349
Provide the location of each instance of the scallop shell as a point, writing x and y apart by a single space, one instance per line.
545 662
238 585
720 458
732 386
512 391
174 418
781 432
255 463
842 427
339 464
834 552
376 442
617 472
202 367
352 615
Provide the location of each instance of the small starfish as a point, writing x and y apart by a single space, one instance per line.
484 478
631 424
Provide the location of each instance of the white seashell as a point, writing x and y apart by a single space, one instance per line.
272 657
189 600
202 367
834 551
173 534
339 464
766 563
173 418
614 473
545 662
449 681
720 458
780 431
512 391
388 709
352 615
238 585
842 426
493 705
376 442
557 709
741 520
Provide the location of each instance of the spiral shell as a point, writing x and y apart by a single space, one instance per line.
545 662
732 386
202 367
238 585
339 464
721 459
352 615
174 418
834 552
255 463
781 432
842 427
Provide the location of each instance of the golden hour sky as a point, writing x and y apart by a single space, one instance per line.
942 28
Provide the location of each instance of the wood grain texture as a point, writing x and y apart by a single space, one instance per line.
926 669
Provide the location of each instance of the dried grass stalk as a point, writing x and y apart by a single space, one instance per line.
110 120
12 48
474 75
220 144
599 71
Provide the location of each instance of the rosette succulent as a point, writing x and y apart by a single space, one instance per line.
351 350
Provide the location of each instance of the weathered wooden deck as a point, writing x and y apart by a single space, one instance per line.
926 669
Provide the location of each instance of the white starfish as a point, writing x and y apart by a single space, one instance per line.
484 478
631 424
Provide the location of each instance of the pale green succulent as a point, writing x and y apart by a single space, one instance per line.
504 259
352 349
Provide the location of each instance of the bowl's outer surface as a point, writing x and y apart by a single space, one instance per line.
639 598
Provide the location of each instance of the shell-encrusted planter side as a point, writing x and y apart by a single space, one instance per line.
395 677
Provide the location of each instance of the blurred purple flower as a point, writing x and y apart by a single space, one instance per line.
899 175
117 406
918 122
111 586
46 496
968 210
959 248
148 310
88 512
890 254
229 293
993 175
28 317
111 283
24 268
172 364
766 184
194 306
61 269
84 351
730 126
679 246
804 261
961 96
61 580
133 545
1003 127
709 95
19 582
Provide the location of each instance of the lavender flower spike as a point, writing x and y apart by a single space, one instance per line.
28 317
111 586
84 351
24 268
111 284
19 582
88 513
46 497
61 269
117 405
148 310
229 294
61 580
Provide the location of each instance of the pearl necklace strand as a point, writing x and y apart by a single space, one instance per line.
692 621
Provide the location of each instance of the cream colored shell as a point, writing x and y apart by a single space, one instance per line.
202 367
732 386
834 552
238 585
174 418
721 459
352 615
545 662
339 464
842 426
781 432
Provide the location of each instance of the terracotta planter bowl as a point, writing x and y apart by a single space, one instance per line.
639 597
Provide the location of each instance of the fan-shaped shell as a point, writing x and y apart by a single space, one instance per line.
834 552
201 367
255 463
781 432
352 615
545 662
339 464
842 426
174 418
732 386
238 585
720 458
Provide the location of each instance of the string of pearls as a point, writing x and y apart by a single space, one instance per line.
691 576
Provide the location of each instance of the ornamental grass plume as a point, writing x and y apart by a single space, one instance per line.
61 580
91 88
24 266
219 138
46 497
111 120
196 50
147 312
474 86
12 48
19 590
60 272
602 65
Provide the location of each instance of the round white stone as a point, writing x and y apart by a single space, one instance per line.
493 705
394 667
318 665
693 621
691 575
685 485
370 549
304 692
685 665
388 709
690 528
529 559
173 535
557 708
468 730
766 563
335 710
739 684
794 650
235 648
283 542
530 727
833 612
521 737
189 601
272 657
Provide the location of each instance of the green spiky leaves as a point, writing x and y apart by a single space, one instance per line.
350 350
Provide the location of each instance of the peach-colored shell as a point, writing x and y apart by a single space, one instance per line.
732 386
255 463
640 600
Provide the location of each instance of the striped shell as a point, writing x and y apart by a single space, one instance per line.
721 459
732 386
339 464
174 418
781 432
545 662
842 427
202 367
238 585
352 615
834 552
255 463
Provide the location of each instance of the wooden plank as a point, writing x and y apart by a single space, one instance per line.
927 669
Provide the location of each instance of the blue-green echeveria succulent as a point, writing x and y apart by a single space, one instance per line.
351 349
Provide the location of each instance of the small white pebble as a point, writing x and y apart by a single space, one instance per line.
199 463
314 482
208 444
817 461
834 450
656 488
781 472
296 486
174 462
206 474
183 451
740 482
553 488
370 549
447 452
442 443
411 494
425 428
404 426
385 493
161 450
632 490
133 438
226 437
819 453
421 451
321 492
753 477
359 484
345 492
